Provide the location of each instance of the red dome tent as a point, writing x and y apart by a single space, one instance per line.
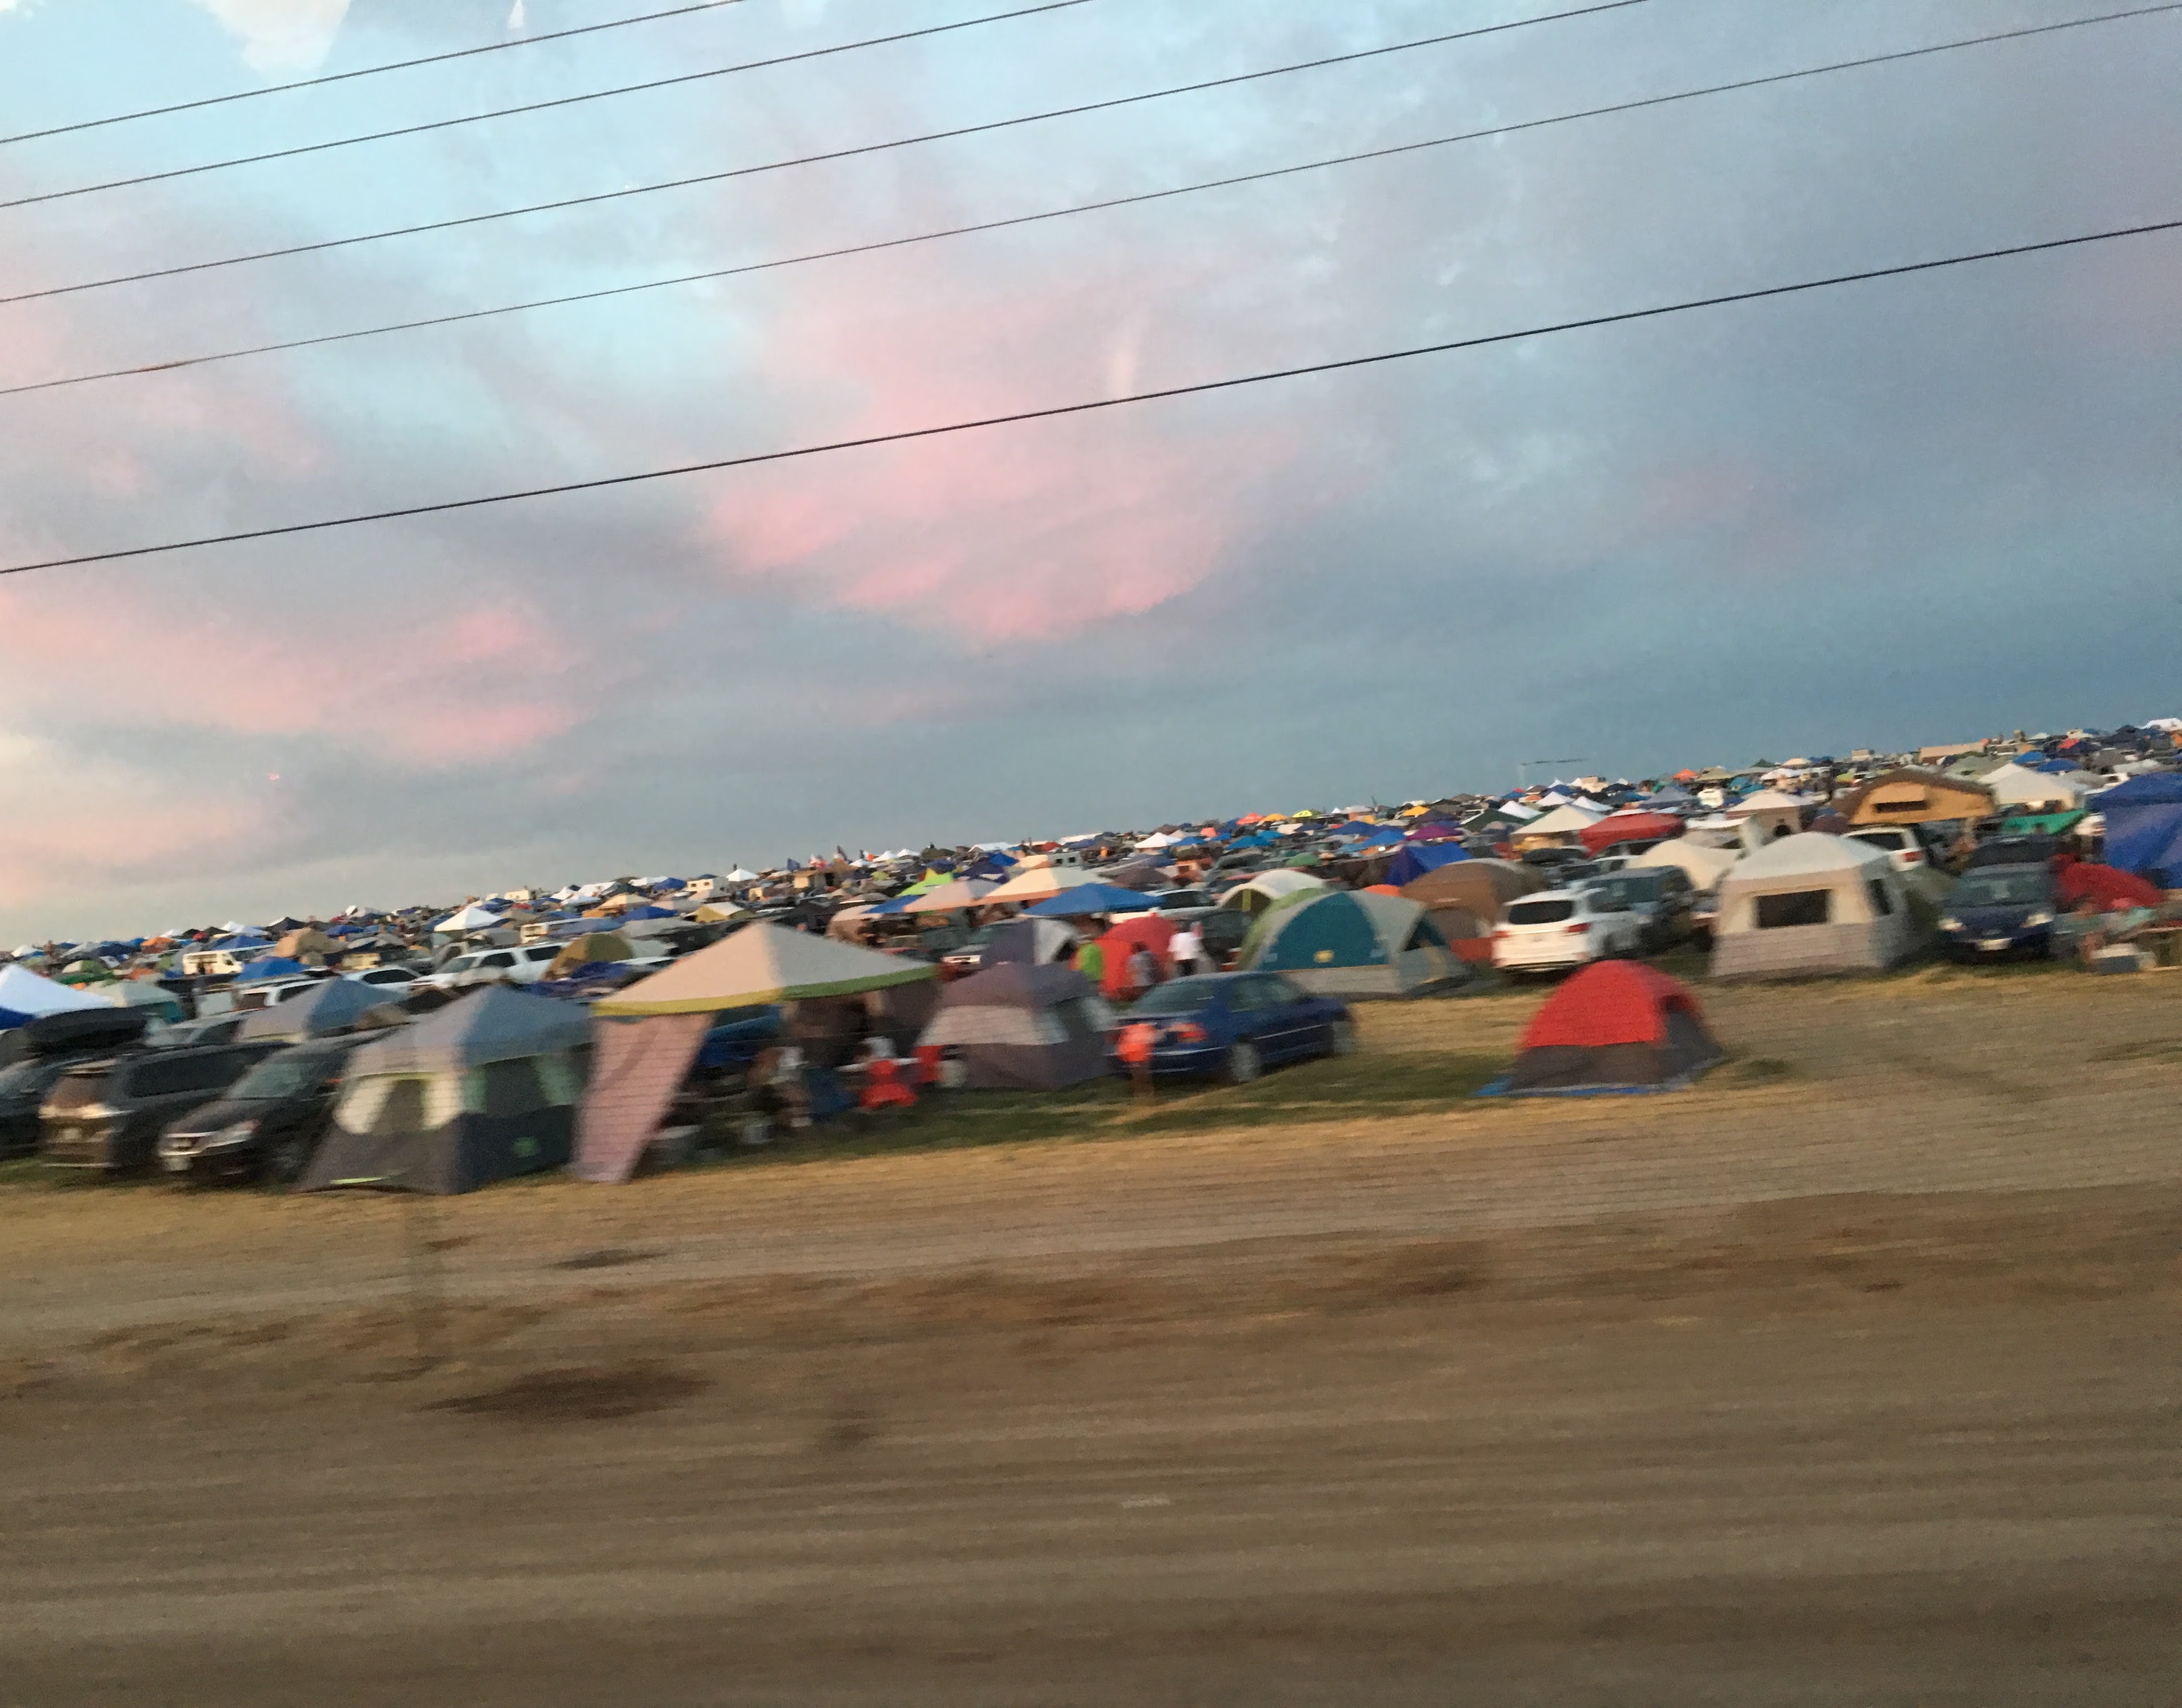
1616 1026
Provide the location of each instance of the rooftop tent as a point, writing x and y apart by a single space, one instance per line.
333 1007
1628 826
1081 900
1616 1026
2144 827
1413 862
1028 942
1344 944
949 898
761 964
24 996
1031 1028
483 1090
1809 903
1907 796
1256 894
1704 867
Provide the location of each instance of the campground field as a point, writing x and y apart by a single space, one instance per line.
1848 1376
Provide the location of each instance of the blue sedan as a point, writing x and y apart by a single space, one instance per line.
1998 910
1237 1024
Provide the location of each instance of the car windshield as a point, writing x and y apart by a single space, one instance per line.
1182 996
2003 888
26 1078
1541 913
1623 892
288 1074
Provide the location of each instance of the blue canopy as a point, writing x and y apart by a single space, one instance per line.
2144 827
1421 857
243 943
268 966
1091 898
648 913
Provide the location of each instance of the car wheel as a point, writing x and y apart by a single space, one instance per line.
285 1162
1243 1065
1341 1037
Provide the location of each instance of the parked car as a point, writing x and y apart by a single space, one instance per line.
1904 849
212 1028
524 965
268 1122
1236 1024
967 955
1560 865
266 993
397 979
23 1088
1995 911
1662 897
2013 850
1562 928
1181 904
109 1114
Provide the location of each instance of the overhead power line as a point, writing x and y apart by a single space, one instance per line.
205 100
881 245
656 83
1092 405
860 150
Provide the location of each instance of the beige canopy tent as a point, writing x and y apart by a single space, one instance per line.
1037 884
951 898
763 963
1704 867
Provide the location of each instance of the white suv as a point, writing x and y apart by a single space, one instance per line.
522 965
1904 851
1565 928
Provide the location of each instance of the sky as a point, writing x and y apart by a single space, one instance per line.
1913 510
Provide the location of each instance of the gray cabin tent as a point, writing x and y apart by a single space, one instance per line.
483 1090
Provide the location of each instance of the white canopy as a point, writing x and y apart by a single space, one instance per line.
468 919
1563 821
2019 786
24 993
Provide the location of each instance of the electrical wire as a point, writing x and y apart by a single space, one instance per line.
363 71
654 83
829 155
882 245
1091 406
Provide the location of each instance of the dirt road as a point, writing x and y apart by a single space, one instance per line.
1778 1395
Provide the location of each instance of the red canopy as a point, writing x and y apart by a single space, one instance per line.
1629 827
1609 1002
2110 884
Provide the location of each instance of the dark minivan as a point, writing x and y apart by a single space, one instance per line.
108 1115
268 1122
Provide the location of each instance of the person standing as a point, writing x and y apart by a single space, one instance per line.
1141 971
1186 950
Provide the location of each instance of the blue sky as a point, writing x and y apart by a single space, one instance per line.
1914 510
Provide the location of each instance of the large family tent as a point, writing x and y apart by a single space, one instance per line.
2144 827
1412 863
1766 816
760 964
1811 903
1018 1027
1615 1026
1911 796
1255 894
1704 867
1029 943
483 1090
26 995
335 1006
1464 901
2022 790
1351 944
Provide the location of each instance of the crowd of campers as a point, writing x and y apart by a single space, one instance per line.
600 1026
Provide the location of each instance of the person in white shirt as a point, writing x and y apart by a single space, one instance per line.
1186 951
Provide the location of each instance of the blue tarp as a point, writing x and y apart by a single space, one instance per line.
271 967
1090 898
1421 857
2144 827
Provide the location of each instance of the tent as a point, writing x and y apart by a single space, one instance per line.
2144 827
333 1007
1615 1026
1413 862
1037 884
1028 942
2111 887
1344 944
760 964
483 1090
717 913
87 971
1032 1028
1704 867
1909 795
952 897
26 995
2040 824
2022 788
1153 931
309 946
1565 825
473 918
1767 815
591 948
1080 901
1465 899
148 994
1628 826
268 966
1255 894
1809 903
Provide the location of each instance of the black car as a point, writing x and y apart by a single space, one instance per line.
268 1122
1996 911
35 1056
109 1114
1563 866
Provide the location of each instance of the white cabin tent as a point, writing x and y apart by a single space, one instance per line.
1811 903
1767 816
1704 867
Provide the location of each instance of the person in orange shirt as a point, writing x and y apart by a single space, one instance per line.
1134 1048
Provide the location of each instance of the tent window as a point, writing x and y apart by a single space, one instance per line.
1915 803
1882 904
1798 907
501 1090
